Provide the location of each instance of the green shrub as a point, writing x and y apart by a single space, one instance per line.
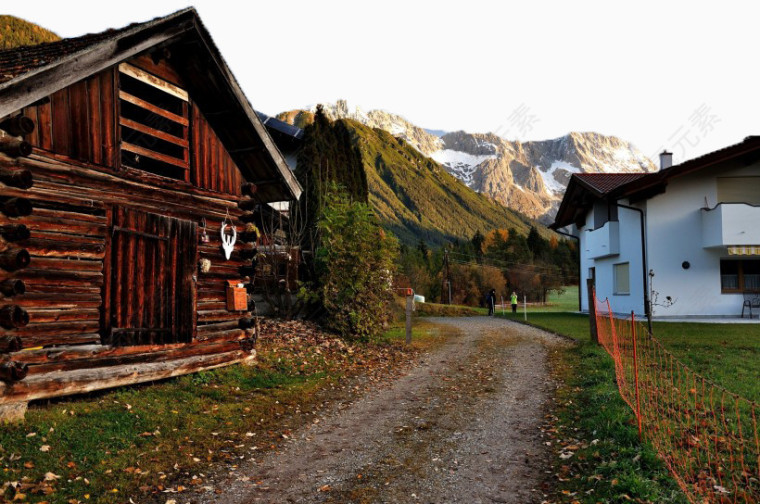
354 263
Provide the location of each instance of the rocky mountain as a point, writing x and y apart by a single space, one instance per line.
396 125
529 177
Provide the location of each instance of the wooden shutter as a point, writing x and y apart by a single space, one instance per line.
152 289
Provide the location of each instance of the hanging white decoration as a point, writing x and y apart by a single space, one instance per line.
228 242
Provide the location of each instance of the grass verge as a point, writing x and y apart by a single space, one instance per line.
599 455
149 443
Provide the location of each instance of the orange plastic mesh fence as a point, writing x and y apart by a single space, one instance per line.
707 436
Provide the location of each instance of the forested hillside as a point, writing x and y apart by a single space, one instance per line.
415 198
15 32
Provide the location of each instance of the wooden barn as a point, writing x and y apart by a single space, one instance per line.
130 161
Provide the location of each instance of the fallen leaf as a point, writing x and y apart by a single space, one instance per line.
45 448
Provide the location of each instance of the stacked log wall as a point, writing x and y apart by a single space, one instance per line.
77 184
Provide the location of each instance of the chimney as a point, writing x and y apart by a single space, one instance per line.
666 159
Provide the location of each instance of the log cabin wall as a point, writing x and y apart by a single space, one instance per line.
80 233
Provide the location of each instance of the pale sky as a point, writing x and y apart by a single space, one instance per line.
679 75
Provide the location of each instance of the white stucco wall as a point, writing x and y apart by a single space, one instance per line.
630 252
675 235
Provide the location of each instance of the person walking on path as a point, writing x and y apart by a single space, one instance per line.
491 300
514 302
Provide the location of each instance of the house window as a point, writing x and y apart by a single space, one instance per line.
740 276
154 123
621 279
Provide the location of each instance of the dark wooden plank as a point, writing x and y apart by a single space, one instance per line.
155 155
152 108
41 315
105 313
94 115
117 273
59 276
195 159
61 117
154 132
33 114
41 339
137 285
45 126
129 267
218 172
108 121
80 121
55 329
66 264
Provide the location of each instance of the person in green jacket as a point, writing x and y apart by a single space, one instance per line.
514 302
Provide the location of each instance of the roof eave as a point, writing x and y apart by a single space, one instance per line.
18 92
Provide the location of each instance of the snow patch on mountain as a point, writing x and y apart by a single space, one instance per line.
460 164
553 185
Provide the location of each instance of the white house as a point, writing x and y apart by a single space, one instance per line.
687 237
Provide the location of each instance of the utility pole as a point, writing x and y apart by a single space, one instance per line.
448 276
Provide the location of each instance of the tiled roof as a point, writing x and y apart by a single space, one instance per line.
20 60
606 182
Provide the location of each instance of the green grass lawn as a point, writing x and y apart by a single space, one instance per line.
728 354
135 443
591 422
618 467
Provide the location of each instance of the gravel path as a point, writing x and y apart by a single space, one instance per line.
462 425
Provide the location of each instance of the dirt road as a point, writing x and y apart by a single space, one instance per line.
463 425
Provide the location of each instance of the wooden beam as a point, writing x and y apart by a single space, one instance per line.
16 178
155 155
15 207
152 108
12 287
10 344
17 125
54 384
14 147
14 232
153 132
154 81
13 316
14 259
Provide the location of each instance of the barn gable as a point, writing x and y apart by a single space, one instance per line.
173 47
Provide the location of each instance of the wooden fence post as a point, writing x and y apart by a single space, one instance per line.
636 372
592 310
409 306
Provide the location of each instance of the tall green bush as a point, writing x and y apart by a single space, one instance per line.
354 263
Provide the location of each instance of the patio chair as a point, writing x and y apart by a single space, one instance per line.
751 300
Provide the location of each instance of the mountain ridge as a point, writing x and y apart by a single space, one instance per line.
529 177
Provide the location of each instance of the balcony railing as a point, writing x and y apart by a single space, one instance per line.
730 224
605 241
